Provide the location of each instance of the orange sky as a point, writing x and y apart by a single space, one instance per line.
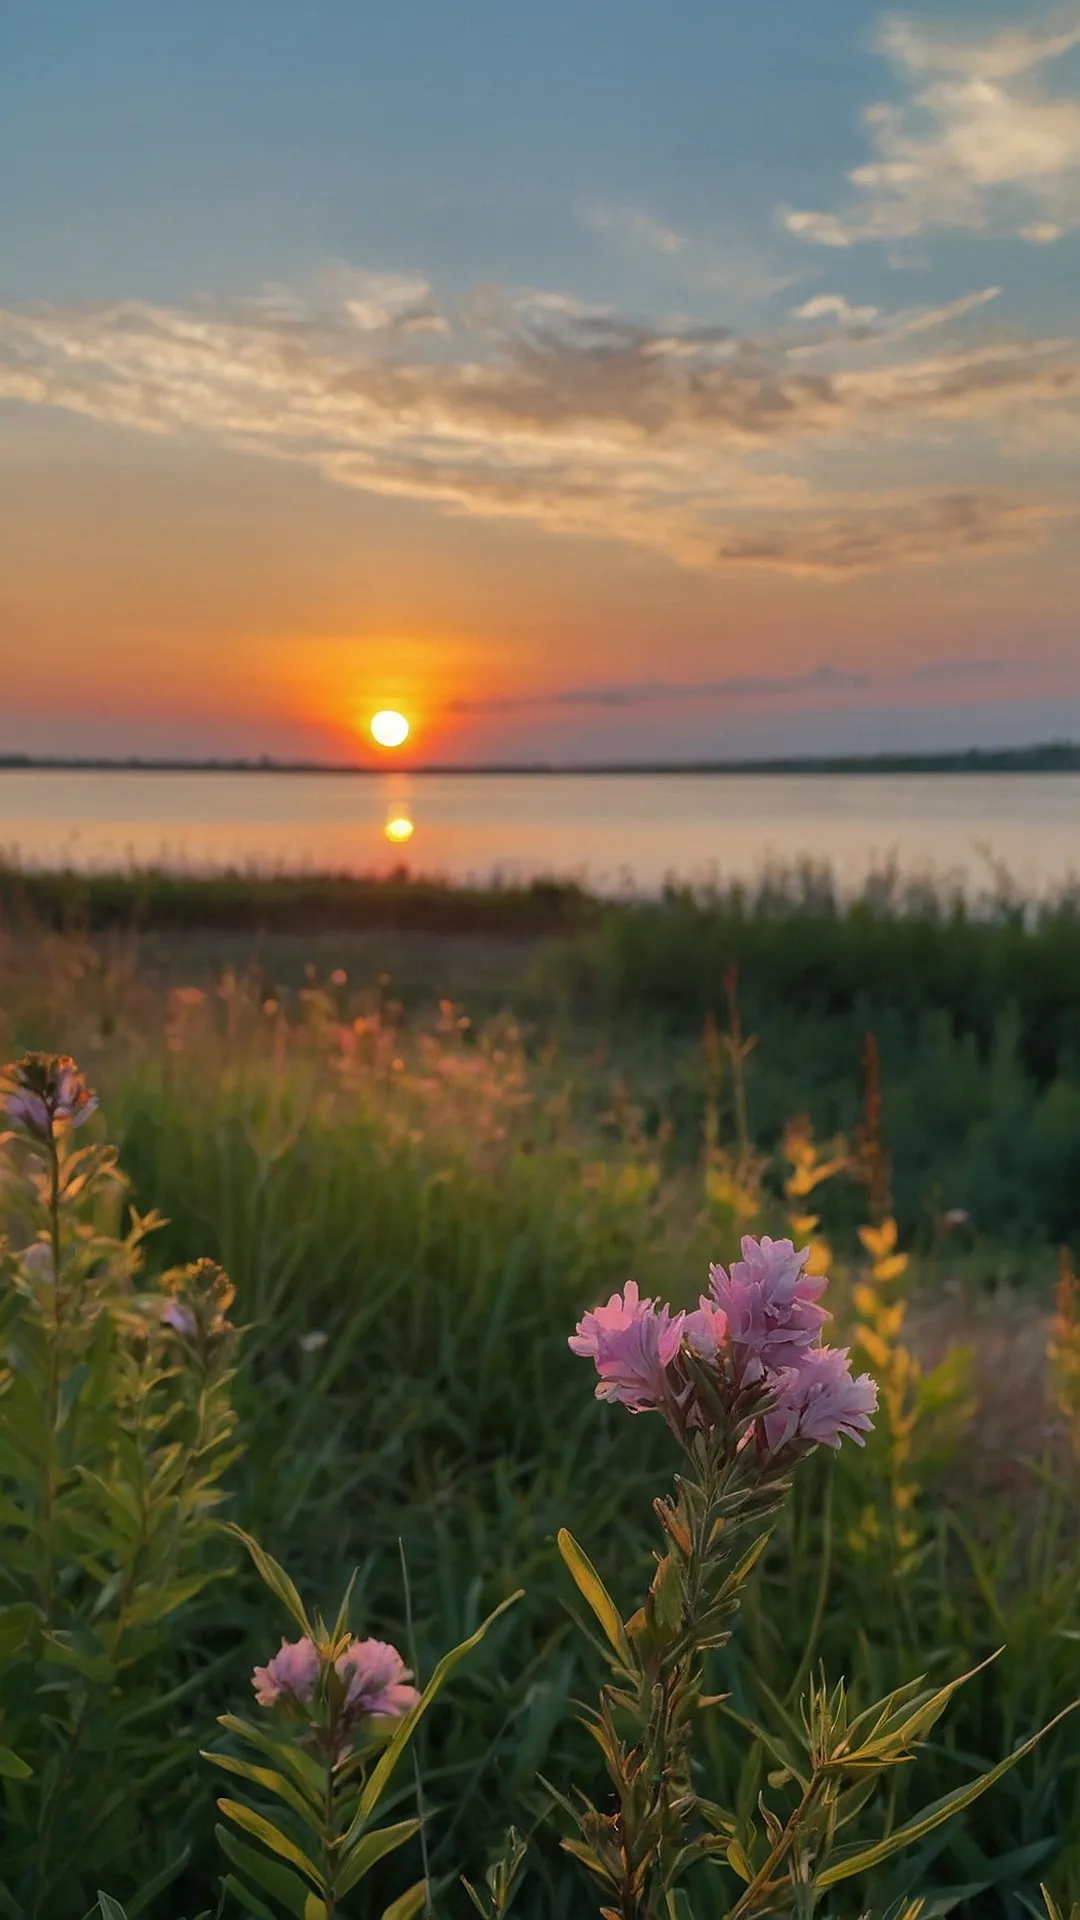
591 384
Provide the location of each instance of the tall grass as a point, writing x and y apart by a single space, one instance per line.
413 1218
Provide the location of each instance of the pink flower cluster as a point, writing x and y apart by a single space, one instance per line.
376 1675
759 1327
46 1089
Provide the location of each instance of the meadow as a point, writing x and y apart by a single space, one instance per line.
423 1132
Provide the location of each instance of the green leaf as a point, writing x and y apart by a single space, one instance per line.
84 1654
392 1753
935 1815
285 1885
17 1627
407 1904
274 1576
593 1591
737 1859
11 1767
747 1564
109 1908
771 1743
278 1842
272 1782
306 1771
903 1719
248 1900
359 1859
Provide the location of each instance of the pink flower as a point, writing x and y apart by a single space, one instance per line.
621 1311
72 1099
633 1361
769 1303
818 1402
378 1679
294 1670
705 1331
25 1109
46 1088
179 1318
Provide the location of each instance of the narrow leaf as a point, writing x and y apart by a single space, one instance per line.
282 1882
407 1904
248 1900
391 1754
935 1815
274 1576
308 1774
278 1842
370 1848
593 1591
271 1782
11 1767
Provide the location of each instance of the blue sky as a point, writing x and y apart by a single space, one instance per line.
591 347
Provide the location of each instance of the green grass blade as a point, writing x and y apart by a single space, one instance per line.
388 1760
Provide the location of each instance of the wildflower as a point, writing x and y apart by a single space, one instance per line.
378 1679
633 1361
198 1298
293 1671
47 1088
180 1318
621 1311
770 1305
705 1330
818 1402
314 1341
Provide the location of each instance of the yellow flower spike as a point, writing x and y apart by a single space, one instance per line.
821 1259
879 1240
891 1319
890 1268
873 1345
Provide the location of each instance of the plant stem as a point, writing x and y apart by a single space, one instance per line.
52 1395
747 1900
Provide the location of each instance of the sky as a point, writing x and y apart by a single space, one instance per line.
600 380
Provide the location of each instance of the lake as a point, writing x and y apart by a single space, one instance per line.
609 830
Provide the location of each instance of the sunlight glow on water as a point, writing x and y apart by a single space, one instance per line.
611 831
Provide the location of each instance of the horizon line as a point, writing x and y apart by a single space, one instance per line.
1055 755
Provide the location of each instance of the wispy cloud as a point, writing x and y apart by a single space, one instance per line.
681 437
979 141
823 680
729 264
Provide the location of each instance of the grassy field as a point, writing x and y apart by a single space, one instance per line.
423 1131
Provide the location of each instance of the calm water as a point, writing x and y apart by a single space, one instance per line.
609 830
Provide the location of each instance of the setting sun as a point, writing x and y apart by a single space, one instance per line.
389 728
399 828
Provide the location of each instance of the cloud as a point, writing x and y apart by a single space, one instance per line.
958 523
728 264
679 437
833 306
977 143
825 679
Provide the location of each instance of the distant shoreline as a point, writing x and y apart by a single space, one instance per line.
1057 756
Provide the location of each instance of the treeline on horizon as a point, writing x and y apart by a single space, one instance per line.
975 1004
1053 756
